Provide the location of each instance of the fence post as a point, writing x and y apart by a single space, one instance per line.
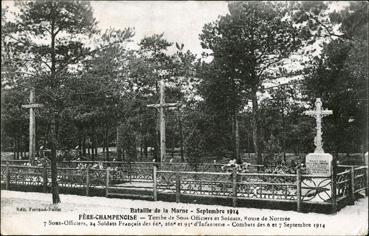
178 187
87 180
154 191
333 185
129 172
7 183
44 174
107 182
298 189
352 185
234 187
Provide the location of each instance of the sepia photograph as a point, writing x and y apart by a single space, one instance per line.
184 117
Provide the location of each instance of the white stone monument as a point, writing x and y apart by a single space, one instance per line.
319 163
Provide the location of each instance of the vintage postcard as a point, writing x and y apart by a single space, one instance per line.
184 118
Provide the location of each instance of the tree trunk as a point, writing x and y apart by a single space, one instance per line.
256 128
107 153
95 138
283 135
84 142
54 184
237 138
157 139
91 143
337 143
54 174
173 145
17 147
80 143
145 147
141 139
181 137
155 151
104 144
14 147
106 138
141 143
141 149
88 148
47 134
94 144
21 146
119 144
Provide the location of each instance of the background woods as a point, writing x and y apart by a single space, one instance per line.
265 63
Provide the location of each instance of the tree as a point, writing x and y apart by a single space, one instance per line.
283 120
246 44
339 77
184 74
220 103
13 121
51 34
103 85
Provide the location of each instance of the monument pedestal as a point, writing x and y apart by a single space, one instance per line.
319 164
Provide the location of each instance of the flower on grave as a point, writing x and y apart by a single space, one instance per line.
81 166
101 165
232 164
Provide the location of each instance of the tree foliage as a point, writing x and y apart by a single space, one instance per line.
339 77
96 89
246 44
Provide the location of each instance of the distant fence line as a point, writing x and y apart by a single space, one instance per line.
338 189
184 166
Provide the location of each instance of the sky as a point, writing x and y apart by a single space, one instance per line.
180 22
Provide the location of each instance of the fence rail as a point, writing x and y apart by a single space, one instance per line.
296 188
174 166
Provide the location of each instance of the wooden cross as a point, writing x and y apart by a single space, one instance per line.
318 113
161 106
32 124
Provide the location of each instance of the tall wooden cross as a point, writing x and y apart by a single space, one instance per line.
161 106
32 124
318 113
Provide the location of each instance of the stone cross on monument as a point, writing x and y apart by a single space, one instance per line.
318 113
161 106
319 163
32 124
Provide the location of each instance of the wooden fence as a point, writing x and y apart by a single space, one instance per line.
128 180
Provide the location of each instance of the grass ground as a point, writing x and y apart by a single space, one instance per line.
17 218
